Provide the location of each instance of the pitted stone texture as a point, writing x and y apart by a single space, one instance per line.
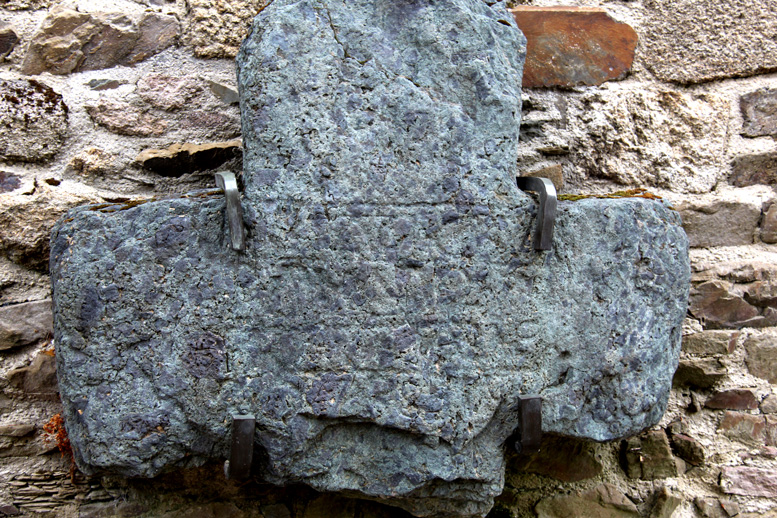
388 100
650 138
165 104
692 41
26 221
754 169
215 30
759 111
20 5
34 121
328 339
388 310
126 119
72 41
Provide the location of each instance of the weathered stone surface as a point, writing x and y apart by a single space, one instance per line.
72 41
688 41
769 224
9 182
604 501
18 440
762 355
688 449
226 94
554 173
212 124
739 270
105 84
165 103
754 169
721 221
648 456
708 343
40 377
749 481
702 373
216 30
93 162
19 284
731 507
16 430
126 119
568 460
26 222
759 111
573 46
20 5
769 404
718 304
180 159
735 399
386 238
753 430
23 324
711 507
660 138
761 293
8 40
168 92
157 31
666 504
34 121
9 510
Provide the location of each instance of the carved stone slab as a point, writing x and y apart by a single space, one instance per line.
388 310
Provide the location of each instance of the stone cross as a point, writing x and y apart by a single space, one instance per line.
388 311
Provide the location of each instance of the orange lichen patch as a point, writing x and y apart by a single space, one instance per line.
113 207
55 431
630 193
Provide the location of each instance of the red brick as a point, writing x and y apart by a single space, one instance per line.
571 46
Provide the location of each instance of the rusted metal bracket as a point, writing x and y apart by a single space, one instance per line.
530 424
241 451
546 215
226 182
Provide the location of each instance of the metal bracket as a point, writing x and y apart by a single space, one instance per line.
227 183
530 423
543 235
241 452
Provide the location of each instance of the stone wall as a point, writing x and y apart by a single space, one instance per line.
110 101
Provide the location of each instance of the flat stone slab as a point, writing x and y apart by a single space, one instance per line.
759 112
573 46
388 310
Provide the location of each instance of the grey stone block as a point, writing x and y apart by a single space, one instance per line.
388 310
